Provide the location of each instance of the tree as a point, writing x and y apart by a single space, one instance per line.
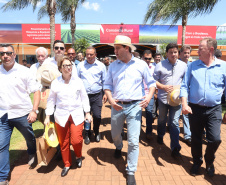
67 9
174 10
80 45
49 8
162 50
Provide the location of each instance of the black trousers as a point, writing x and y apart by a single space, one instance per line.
209 118
95 101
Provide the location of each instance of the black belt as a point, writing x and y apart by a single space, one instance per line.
202 106
127 102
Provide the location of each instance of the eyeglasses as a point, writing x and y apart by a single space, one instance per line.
57 47
67 66
147 58
7 53
70 53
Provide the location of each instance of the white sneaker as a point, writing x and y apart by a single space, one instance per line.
31 159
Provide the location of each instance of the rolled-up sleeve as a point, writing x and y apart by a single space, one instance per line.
32 84
84 98
51 101
108 83
148 78
157 72
184 89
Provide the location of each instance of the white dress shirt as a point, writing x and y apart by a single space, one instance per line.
19 83
34 69
70 99
52 61
3 96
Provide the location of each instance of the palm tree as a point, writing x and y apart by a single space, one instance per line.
49 8
80 45
67 9
174 10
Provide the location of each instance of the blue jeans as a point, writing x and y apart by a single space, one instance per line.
132 114
6 128
5 134
26 130
173 123
149 116
186 125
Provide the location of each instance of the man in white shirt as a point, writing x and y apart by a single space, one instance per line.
21 112
59 50
41 55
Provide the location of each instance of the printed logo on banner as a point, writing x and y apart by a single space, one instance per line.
108 32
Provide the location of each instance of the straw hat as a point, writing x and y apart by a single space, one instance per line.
124 40
46 74
173 98
50 135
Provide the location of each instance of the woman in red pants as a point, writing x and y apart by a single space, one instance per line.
69 97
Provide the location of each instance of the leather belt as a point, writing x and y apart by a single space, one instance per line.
127 102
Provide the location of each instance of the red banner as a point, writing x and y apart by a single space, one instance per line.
39 33
108 32
196 33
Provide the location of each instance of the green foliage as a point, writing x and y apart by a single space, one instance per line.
80 45
162 48
174 10
67 8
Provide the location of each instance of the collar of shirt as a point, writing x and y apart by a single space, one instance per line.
171 63
131 60
62 80
14 68
215 62
87 63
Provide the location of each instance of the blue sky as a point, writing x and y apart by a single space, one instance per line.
111 12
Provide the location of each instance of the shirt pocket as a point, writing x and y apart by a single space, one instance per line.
216 80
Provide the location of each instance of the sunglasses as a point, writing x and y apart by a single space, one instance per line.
147 58
61 48
67 66
7 53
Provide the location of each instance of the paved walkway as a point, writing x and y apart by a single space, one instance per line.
155 165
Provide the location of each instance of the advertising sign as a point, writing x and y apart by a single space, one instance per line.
221 35
196 33
158 34
11 33
91 32
39 33
108 32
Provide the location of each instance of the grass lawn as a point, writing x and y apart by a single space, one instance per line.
18 143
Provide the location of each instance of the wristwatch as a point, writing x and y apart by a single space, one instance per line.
36 111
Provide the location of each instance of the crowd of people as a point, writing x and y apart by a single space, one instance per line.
176 87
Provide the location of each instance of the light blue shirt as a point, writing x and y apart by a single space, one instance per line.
92 75
125 80
76 63
204 85
168 74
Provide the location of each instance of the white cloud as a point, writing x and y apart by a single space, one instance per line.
39 4
3 1
90 6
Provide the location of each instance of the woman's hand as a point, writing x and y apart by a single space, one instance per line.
47 120
88 117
